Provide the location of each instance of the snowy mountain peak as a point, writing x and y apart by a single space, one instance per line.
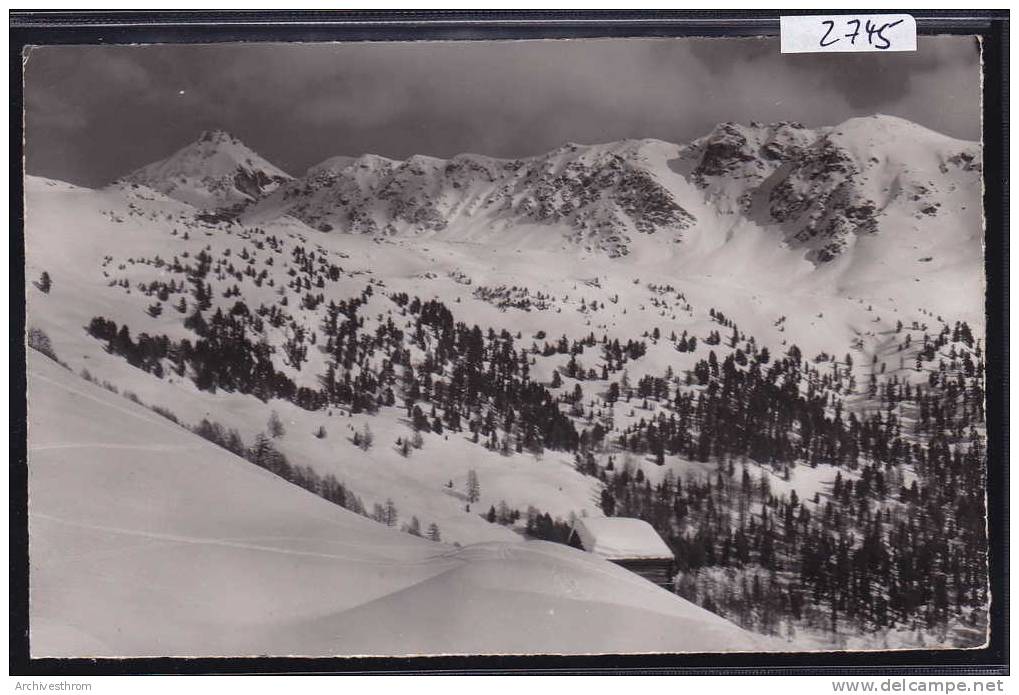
216 172
217 136
333 164
880 124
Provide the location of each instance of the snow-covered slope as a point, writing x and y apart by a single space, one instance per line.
124 232
709 252
138 225
147 540
216 171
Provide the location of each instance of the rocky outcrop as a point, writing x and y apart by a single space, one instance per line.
599 195
821 188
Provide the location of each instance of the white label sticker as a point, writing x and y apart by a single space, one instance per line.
848 33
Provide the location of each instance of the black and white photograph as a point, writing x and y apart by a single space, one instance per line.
504 347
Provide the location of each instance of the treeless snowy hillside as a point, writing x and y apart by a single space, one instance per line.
147 540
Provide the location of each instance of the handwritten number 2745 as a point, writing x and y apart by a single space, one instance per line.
875 33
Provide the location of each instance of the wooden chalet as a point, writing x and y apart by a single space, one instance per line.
629 543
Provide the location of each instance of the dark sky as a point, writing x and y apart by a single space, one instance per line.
96 112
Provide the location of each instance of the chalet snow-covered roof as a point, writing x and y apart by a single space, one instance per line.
619 538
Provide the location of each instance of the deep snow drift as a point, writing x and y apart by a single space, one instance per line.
146 540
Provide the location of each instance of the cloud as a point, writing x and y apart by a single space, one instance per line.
94 113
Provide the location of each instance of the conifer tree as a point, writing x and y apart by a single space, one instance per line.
433 532
275 426
473 486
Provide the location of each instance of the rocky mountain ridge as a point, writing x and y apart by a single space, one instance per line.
818 190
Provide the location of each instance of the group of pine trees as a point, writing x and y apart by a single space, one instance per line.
898 541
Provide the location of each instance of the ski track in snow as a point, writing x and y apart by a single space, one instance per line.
84 394
107 445
173 538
